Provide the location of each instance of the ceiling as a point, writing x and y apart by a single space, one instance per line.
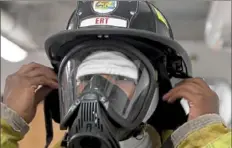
43 18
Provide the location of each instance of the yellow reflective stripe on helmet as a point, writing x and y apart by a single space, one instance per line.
161 17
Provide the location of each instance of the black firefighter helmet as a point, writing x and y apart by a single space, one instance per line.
137 23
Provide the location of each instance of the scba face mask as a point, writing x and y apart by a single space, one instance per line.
105 94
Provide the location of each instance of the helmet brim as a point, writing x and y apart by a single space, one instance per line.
63 37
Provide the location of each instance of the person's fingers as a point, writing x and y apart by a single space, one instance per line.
183 93
29 67
189 86
44 81
41 93
42 71
198 81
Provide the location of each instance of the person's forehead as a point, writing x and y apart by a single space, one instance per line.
109 63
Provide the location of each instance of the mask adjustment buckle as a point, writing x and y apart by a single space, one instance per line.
175 67
174 64
64 142
139 131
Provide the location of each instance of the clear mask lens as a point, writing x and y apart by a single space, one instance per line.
120 82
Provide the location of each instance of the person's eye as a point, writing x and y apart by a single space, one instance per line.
121 78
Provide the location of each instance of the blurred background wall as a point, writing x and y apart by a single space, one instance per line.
203 28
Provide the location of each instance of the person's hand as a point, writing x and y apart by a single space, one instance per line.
201 99
23 91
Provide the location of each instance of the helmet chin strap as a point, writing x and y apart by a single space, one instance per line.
51 107
48 123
